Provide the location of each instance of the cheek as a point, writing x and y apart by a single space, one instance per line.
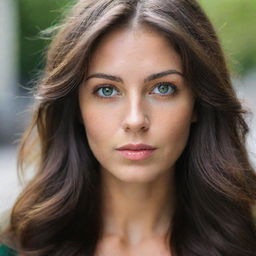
176 126
98 125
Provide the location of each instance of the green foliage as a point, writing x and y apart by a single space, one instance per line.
36 16
235 23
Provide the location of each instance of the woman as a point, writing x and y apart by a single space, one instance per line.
142 139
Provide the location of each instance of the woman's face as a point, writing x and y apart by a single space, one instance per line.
131 106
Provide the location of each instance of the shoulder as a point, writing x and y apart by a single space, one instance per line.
6 251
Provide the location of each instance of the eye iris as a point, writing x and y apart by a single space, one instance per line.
107 91
163 88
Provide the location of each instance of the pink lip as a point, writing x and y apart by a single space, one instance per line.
136 154
136 147
136 151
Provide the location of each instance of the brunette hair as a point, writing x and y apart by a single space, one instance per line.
59 211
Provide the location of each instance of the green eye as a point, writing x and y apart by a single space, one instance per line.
165 88
105 91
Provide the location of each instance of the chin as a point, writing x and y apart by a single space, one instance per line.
135 174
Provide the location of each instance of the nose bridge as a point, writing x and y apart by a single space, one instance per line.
135 113
135 104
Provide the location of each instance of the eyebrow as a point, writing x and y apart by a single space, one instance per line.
147 79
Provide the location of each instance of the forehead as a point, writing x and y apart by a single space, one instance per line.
141 48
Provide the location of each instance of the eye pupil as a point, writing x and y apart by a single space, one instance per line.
163 88
107 91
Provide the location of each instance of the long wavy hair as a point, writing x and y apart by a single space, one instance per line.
59 210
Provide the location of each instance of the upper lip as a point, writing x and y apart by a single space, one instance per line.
135 147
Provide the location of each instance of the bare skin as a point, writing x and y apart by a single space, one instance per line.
148 232
114 247
138 196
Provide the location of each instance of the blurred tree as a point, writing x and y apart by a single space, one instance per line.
234 21
36 16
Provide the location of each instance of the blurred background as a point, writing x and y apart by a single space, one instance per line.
22 58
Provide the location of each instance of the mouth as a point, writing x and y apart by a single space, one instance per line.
136 147
136 151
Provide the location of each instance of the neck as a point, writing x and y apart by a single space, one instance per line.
137 211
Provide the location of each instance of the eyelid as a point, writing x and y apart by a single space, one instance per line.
104 85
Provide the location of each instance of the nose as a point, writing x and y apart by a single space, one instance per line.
135 117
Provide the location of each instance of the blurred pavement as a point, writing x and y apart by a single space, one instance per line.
9 186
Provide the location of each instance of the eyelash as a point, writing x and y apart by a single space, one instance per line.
172 86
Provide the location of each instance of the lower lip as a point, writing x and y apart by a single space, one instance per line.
136 155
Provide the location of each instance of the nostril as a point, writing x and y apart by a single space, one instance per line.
129 127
